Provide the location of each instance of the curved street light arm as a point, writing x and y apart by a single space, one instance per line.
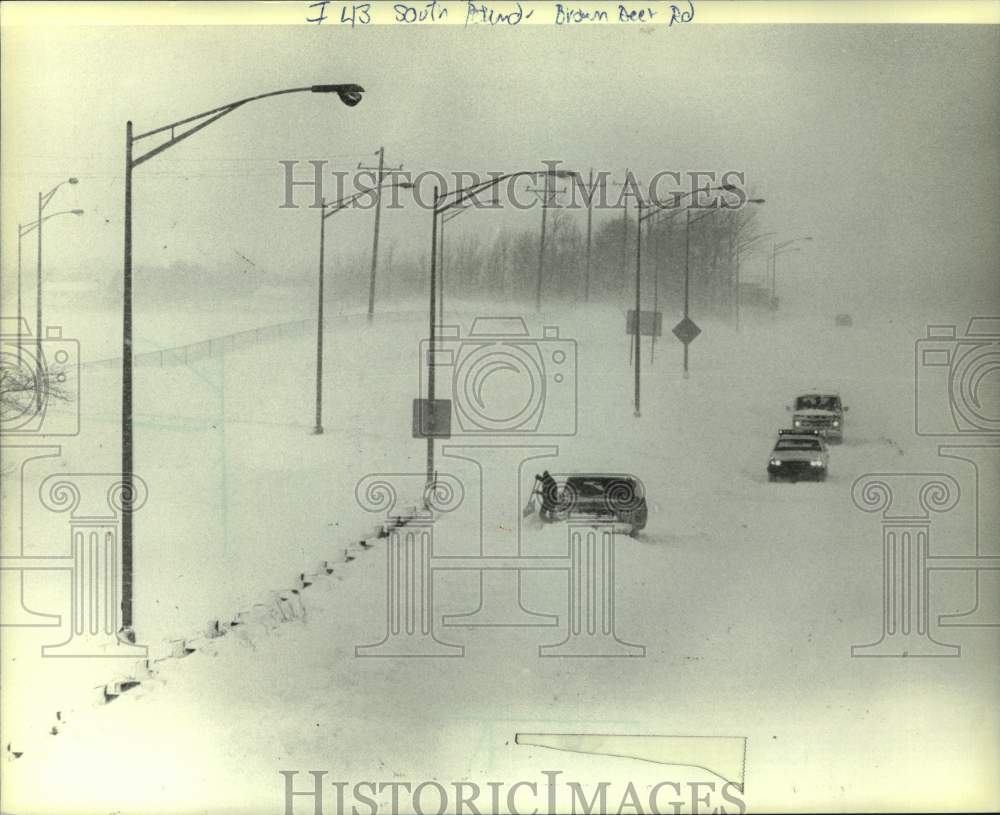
753 240
658 208
48 196
463 195
714 211
751 250
703 216
781 246
349 94
343 203
27 229
786 250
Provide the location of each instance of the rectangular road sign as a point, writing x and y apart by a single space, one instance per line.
432 419
649 323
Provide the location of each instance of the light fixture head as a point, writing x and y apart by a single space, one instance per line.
350 95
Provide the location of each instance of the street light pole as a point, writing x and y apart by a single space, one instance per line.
441 206
43 201
378 214
638 305
318 429
740 246
687 278
441 273
778 249
327 210
128 485
656 282
546 194
23 230
541 246
590 221
379 174
350 95
445 218
687 263
431 339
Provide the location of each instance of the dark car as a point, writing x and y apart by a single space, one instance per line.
798 454
602 496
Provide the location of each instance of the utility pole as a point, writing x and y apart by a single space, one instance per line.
547 195
379 172
654 240
431 336
623 185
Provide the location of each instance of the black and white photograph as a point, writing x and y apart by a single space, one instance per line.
502 408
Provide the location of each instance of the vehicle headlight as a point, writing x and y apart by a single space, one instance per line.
836 422
797 423
817 462
776 462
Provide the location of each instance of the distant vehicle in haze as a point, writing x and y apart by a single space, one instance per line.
844 320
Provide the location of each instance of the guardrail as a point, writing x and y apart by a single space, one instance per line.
205 349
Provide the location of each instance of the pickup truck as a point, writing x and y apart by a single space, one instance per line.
822 411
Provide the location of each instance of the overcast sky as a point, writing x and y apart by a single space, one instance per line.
879 141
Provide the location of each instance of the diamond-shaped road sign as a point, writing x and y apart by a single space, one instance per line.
686 330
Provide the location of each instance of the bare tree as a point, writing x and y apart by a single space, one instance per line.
28 389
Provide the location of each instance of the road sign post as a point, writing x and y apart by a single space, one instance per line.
686 331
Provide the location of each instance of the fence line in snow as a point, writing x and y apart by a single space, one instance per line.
204 349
